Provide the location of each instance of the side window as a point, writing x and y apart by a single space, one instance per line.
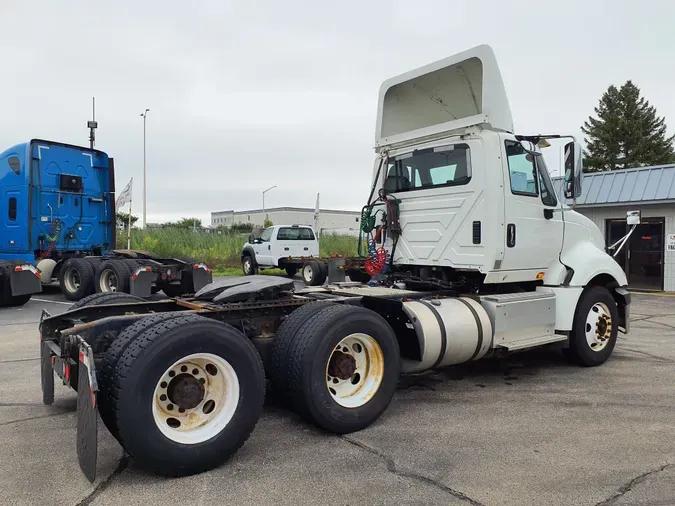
266 235
15 165
295 234
522 170
12 209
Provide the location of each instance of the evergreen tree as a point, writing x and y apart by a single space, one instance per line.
626 133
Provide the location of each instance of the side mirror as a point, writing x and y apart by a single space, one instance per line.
251 238
633 217
573 169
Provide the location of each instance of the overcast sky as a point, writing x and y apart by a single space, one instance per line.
249 94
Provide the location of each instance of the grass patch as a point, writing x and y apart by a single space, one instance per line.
220 251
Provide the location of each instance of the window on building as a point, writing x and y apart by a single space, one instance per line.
295 234
12 209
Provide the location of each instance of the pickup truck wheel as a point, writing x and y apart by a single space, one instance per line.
187 395
595 327
106 368
248 266
113 276
76 278
343 368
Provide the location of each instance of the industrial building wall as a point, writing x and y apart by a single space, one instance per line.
599 215
341 223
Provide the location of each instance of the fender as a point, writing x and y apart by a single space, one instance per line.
248 251
588 261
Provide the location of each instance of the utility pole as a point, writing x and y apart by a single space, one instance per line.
145 184
92 125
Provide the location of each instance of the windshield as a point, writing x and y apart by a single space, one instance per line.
429 168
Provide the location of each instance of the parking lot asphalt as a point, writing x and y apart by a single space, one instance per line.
529 429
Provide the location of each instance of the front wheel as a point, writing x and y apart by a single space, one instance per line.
248 266
595 327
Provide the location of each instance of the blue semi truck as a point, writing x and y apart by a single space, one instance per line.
58 223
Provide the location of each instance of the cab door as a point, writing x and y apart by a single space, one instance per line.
533 216
263 249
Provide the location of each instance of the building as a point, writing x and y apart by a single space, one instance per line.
330 221
648 257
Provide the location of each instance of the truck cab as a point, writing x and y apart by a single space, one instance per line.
475 203
277 246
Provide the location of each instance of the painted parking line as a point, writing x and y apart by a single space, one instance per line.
51 301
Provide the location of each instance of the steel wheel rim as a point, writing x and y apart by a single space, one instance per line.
598 327
247 265
71 278
352 382
202 420
108 281
308 273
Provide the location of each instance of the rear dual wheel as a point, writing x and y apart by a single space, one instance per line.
314 273
76 278
184 394
338 365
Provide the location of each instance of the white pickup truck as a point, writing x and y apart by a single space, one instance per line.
282 246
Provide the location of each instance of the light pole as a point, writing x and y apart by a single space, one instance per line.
264 217
145 186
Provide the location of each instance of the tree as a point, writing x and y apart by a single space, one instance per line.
267 223
626 133
186 223
123 219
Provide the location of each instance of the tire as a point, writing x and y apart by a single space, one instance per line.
248 265
101 298
587 347
6 297
106 369
312 274
112 276
323 266
76 278
291 271
144 418
155 289
344 406
277 365
358 276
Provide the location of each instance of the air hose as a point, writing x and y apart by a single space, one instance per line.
55 231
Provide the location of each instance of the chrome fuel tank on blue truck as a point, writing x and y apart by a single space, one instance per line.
55 197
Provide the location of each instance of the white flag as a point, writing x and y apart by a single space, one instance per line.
125 196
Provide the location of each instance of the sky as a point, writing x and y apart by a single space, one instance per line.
244 95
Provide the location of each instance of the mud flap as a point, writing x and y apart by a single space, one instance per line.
140 283
201 276
24 280
87 413
46 374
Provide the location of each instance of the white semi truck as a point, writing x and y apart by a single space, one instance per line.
471 253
